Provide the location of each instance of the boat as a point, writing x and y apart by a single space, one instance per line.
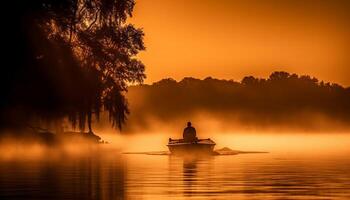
198 146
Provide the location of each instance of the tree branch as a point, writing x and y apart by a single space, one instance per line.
93 22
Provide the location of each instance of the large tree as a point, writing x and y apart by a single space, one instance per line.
69 58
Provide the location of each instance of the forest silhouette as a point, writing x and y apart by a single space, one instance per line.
283 99
68 59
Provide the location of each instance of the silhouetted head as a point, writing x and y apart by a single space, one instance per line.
189 124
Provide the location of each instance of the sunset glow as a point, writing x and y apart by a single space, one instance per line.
175 99
231 39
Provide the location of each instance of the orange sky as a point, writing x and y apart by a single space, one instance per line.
234 38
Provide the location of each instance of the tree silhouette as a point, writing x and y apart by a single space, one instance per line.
282 99
74 58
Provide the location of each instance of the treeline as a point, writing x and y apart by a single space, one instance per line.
282 98
67 59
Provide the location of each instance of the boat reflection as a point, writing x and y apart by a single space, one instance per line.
189 175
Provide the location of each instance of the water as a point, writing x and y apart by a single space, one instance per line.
108 174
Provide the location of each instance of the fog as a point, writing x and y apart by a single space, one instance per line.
13 149
281 145
206 122
283 113
292 143
284 102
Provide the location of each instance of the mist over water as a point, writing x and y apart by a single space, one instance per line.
298 166
283 102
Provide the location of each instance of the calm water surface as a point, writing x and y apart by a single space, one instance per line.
112 175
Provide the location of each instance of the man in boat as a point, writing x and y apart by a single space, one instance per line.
189 133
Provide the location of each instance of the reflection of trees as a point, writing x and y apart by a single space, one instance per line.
281 96
94 176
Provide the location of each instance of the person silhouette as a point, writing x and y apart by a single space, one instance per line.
189 133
